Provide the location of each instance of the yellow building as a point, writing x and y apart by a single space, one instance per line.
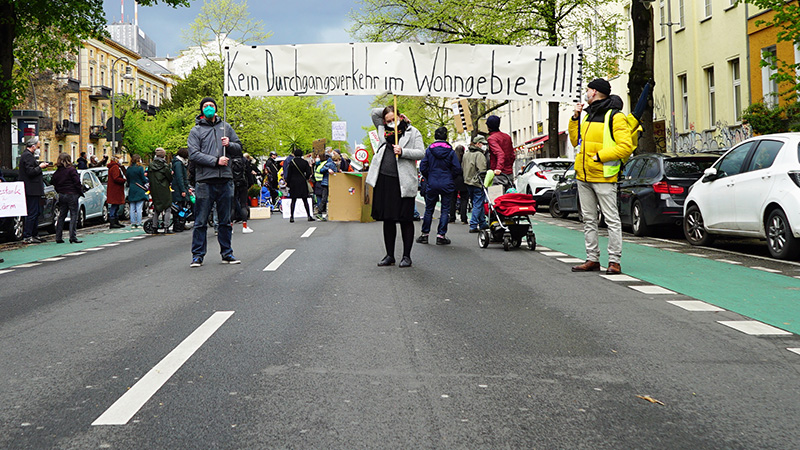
710 73
77 113
764 45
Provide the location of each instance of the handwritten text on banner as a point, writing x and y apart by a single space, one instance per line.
440 70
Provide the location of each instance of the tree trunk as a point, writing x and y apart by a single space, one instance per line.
549 11
8 32
642 70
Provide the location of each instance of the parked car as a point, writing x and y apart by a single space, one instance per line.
653 186
565 199
753 190
92 204
536 178
11 227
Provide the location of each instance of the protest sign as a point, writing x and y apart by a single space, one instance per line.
12 199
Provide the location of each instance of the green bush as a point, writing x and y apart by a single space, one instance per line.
254 191
768 120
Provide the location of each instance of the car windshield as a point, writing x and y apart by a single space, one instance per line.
550 166
687 167
102 175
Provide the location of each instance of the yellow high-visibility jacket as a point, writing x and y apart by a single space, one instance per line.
616 148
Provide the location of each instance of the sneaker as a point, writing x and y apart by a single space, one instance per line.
27 240
230 259
473 230
38 240
422 239
196 262
442 240
247 230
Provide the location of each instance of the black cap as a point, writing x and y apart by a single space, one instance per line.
600 85
206 100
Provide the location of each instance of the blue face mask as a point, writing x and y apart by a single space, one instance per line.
209 111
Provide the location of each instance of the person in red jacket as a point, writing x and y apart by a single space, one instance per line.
115 192
501 153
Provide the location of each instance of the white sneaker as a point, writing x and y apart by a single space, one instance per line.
247 230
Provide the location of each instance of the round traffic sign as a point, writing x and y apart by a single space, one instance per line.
362 155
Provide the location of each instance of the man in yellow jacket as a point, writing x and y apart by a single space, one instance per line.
603 142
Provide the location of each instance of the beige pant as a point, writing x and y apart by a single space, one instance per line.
605 195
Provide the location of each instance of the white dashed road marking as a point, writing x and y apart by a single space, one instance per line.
273 266
754 327
794 350
765 269
695 305
57 258
5 271
553 254
126 406
25 266
75 254
728 261
620 277
650 289
570 260
308 232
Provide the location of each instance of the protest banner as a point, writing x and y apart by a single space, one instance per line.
12 199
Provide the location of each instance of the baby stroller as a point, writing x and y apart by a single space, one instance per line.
266 200
180 215
509 220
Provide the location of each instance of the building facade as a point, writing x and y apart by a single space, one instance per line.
764 46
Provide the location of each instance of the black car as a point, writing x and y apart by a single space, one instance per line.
653 186
11 227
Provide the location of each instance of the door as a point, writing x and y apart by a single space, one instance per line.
716 198
627 182
754 184
568 198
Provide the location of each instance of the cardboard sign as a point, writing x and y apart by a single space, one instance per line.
339 131
504 72
12 199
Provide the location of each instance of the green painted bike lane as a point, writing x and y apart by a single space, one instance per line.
770 298
36 252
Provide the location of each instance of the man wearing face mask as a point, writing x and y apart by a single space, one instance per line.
212 142
30 171
603 141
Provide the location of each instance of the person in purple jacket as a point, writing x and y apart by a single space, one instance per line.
67 184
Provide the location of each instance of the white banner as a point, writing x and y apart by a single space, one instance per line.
12 199
440 70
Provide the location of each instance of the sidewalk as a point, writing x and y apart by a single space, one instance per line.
763 296
36 252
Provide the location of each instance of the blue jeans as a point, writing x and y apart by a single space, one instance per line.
113 210
207 194
31 227
430 203
478 219
136 212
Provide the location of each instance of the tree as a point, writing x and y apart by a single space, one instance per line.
220 20
513 22
41 35
642 69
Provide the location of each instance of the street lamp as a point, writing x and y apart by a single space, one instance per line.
113 112
672 129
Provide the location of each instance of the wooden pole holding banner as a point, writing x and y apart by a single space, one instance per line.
396 125
224 117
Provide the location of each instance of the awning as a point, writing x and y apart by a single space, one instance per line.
535 142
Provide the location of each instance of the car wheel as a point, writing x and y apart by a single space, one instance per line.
555 209
638 223
125 214
56 212
694 228
105 213
17 228
781 242
81 218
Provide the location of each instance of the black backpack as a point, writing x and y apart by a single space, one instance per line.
238 169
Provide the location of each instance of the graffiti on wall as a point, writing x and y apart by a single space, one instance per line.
721 137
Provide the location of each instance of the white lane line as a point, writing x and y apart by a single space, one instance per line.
619 277
553 254
129 404
699 255
542 249
110 245
794 350
75 254
650 289
727 261
670 249
25 266
138 237
695 305
273 266
798 277
754 327
570 260
57 258
765 269
126 240
308 232
93 249
5 271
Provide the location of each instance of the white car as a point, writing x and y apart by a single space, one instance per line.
753 190
536 178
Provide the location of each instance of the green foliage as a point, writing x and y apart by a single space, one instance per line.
786 19
254 191
767 120
221 19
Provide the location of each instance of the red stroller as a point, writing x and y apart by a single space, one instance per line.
509 221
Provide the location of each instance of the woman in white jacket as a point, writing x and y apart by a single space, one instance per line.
393 175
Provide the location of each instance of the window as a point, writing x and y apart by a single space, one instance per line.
681 14
707 8
765 155
94 115
628 29
731 163
102 78
650 169
72 110
737 90
682 83
712 110
769 87
662 13
632 169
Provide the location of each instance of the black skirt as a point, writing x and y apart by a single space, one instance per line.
387 204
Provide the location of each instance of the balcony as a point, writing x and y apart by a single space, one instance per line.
100 93
66 127
70 84
143 105
96 132
152 110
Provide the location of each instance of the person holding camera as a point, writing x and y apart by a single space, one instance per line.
30 172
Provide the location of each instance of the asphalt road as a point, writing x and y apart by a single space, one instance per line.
469 349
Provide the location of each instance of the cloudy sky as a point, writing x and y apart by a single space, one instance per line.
291 22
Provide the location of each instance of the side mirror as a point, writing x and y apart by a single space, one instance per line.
710 174
557 178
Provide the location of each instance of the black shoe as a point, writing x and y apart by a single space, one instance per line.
60 241
405 262
386 261
474 230
311 218
75 241
291 219
422 239
442 240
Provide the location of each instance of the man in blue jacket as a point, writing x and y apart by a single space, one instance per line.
440 167
212 142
